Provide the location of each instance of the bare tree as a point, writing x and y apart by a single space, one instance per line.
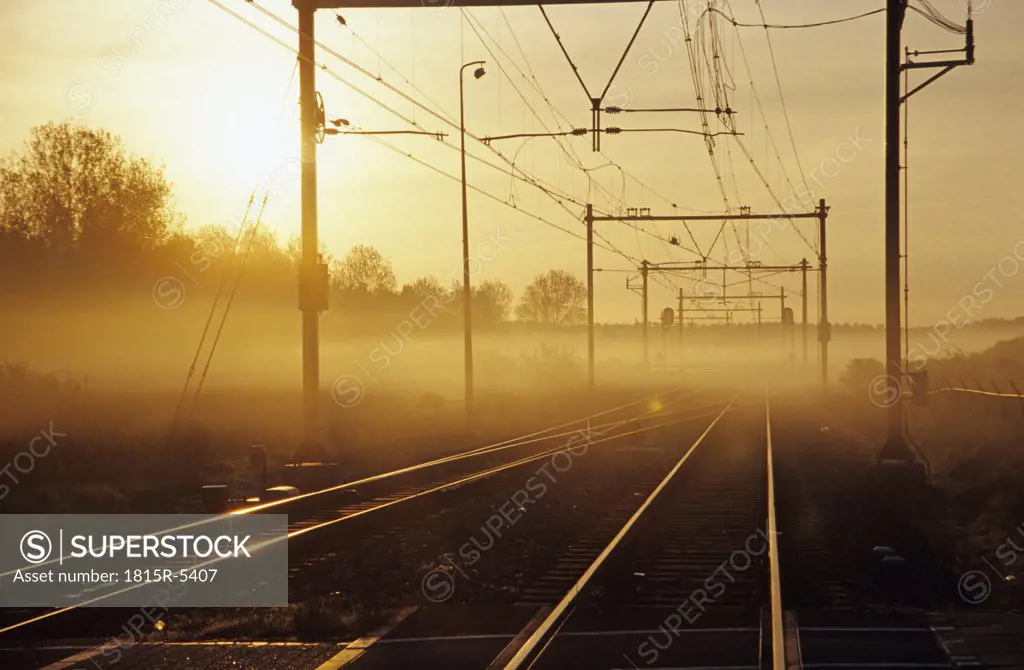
556 297
75 187
427 286
492 302
364 269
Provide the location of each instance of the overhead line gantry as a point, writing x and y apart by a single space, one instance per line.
644 215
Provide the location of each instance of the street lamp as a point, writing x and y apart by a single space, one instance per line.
466 298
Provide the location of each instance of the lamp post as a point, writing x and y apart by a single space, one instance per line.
466 297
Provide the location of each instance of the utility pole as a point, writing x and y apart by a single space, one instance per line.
906 218
312 272
782 314
824 327
467 296
895 447
680 328
665 326
590 294
643 273
803 291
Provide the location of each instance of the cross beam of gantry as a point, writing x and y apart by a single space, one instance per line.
440 4
642 215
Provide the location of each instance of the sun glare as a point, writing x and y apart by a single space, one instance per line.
251 146
251 140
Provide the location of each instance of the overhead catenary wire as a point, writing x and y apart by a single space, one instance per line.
749 156
694 62
573 158
704 57
779 26
717 72
557 196
784 172
557 115
770 139
549 189
782 98
495 198
778 203
394 69
552 192
535 84
768 134
560 119
522 175
928 11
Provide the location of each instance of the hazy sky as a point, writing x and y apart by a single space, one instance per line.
197 90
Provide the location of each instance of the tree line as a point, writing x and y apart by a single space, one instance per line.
78 213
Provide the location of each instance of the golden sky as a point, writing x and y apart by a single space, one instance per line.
195 89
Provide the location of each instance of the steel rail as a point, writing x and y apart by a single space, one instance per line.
545 632
778 634
293 534
521 440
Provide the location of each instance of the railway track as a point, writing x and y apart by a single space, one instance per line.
313 513
453 473
709 508
710 552
689 562
691 576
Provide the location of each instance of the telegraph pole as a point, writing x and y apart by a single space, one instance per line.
312 296
824 327
803 291
467 295
590 294
643 273
680 328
